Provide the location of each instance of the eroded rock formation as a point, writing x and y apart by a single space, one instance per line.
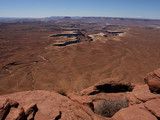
153 80
109 85
109 99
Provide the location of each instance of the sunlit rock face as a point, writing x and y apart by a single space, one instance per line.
113 99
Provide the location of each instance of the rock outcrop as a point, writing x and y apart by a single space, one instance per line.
109 85
136 112
154 107
110 99
67 42
153 81
12 110
49 106
5 106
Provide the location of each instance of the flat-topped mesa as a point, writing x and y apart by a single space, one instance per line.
114 33
67 42
74 34
73 37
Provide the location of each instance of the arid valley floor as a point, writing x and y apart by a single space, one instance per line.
66 54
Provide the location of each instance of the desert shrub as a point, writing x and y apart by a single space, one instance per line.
62 92
108 108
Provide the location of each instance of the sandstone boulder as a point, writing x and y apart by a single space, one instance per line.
143 93
132 99
109 85
154 107
153 80
85 100
136 112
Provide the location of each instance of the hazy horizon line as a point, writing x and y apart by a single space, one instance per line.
79 16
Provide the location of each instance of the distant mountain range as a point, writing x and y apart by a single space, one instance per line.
46 19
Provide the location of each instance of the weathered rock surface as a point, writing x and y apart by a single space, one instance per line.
136 112
85 100
123 101
153 80
143 93
5 106
109 85
110 99
154 107
50 106
132 99
16 114
30 111
11 110
108 96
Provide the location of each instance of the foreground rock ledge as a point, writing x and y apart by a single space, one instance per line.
109 99
49 106
136 112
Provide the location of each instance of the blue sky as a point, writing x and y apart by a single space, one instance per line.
106 8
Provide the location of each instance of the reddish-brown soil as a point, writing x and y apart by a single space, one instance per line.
29 60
